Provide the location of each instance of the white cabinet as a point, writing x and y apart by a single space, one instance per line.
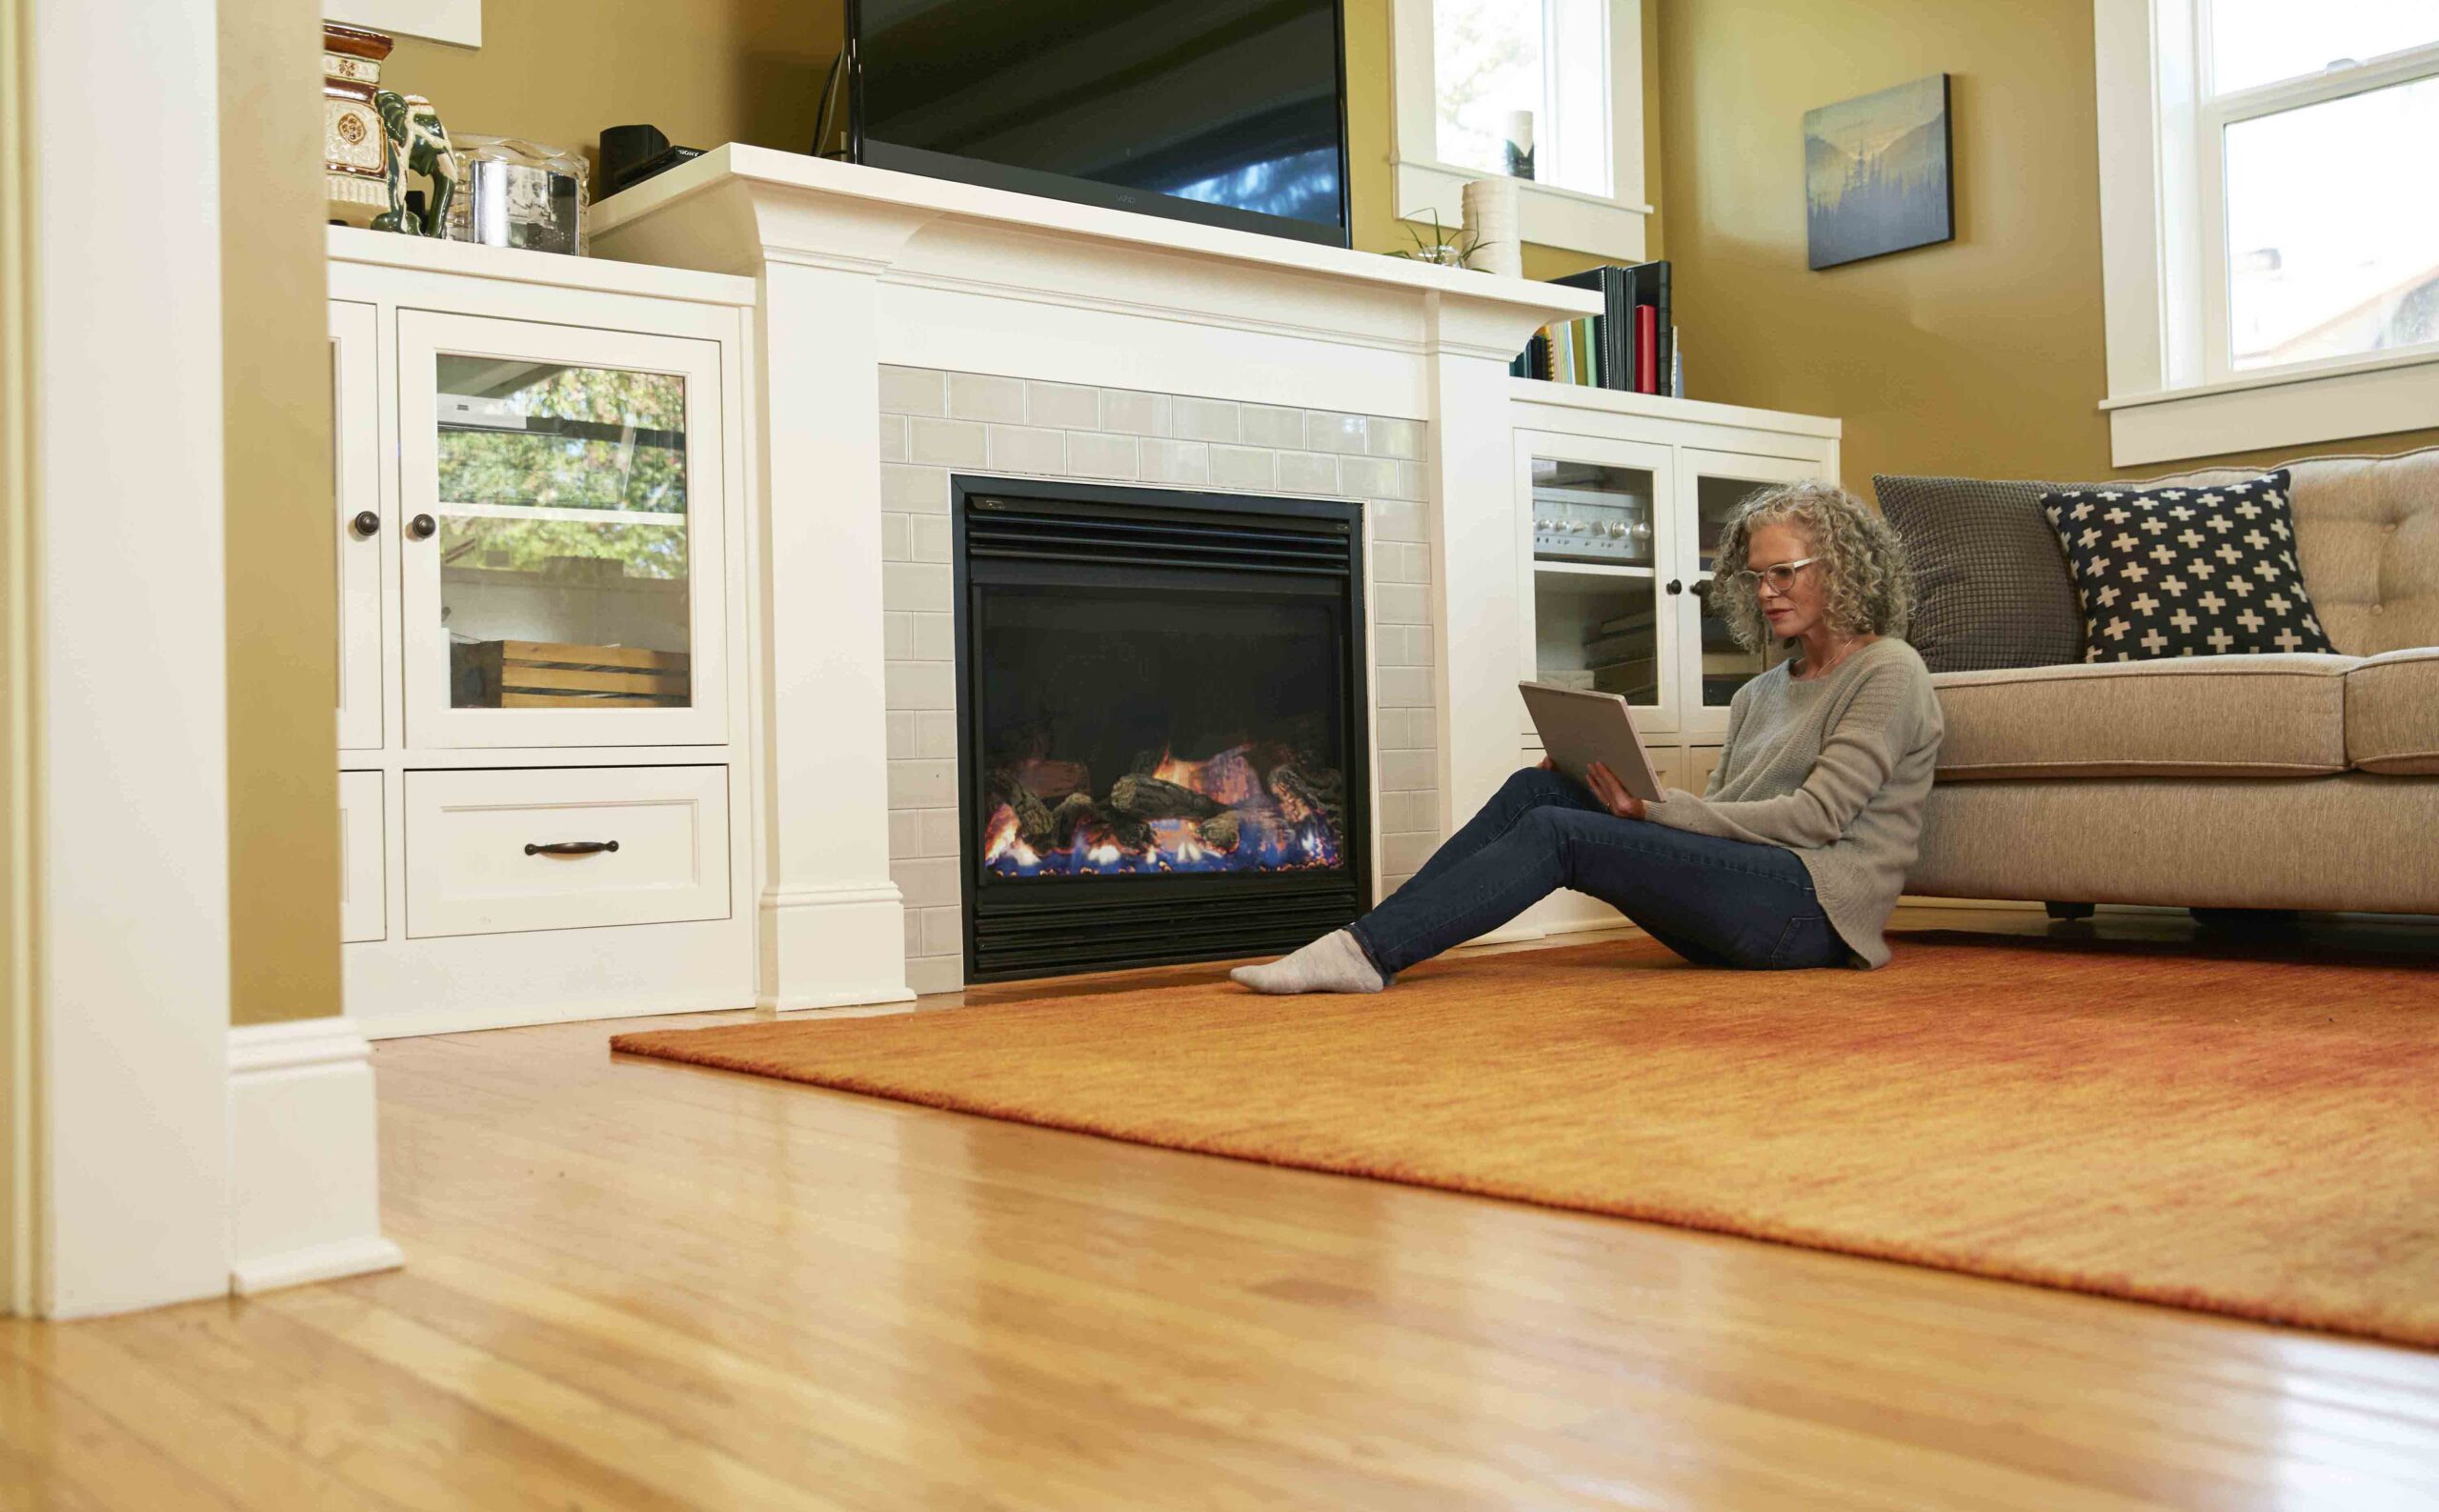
363 872
356 458
543 605
565 848
1620 500
562 549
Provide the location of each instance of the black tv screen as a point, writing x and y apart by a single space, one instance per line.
1231 112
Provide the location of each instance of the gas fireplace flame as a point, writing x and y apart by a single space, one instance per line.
1254 807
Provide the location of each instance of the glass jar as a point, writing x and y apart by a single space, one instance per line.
512 192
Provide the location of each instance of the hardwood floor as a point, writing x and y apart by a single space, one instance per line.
638 1284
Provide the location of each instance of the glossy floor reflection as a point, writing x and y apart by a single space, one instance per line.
638 1284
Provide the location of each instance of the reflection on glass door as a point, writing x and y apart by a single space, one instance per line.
1716 666
563 572
562 554
1597 616
1726 666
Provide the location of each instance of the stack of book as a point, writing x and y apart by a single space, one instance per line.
1630 345
1620 655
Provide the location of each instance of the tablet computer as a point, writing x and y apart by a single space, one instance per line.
1579 727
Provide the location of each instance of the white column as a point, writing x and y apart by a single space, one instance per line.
126 934
1475 546
832 929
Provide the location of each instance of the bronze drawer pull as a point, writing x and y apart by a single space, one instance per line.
572 848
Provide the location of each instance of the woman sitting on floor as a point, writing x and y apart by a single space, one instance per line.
1796 854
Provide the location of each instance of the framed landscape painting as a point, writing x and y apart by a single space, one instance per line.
1876 174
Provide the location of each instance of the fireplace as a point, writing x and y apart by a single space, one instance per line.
1162 727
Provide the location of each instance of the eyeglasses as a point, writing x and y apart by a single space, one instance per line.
1781 577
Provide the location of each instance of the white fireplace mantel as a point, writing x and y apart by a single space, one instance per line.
861 267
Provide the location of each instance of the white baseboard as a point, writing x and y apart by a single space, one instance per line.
304 1155
830 947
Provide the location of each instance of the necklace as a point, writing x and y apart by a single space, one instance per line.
1845 648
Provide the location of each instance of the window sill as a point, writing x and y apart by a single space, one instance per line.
2372 396
1551 216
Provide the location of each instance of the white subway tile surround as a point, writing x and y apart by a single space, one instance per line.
946 423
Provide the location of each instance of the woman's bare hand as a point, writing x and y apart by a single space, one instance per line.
1612 793
1548 765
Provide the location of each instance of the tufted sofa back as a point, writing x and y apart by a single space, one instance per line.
2366 533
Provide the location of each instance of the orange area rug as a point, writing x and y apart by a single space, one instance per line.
2251 1134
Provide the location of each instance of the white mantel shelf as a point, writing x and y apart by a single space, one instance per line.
857 269
984 280
923 200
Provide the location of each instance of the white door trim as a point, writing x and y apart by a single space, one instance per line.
129 988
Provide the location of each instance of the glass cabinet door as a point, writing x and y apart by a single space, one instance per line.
1713 665
562 493
355 490
1598 615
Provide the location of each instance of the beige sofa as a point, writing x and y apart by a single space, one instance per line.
2273 781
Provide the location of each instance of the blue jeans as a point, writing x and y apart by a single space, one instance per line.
1716 902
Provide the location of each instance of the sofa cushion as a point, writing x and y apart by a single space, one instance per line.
2367 531
2237 716
1990 585
2186 572
2392 713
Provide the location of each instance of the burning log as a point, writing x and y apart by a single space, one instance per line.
1052 780
1130 832
1307 799
1033 816
1074 813
1298 799
1156 800
1219 832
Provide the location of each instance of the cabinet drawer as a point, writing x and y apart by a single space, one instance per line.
363 869
565 848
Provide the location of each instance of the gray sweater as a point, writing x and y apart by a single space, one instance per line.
1834 770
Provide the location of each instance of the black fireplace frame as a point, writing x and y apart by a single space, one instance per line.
1136 915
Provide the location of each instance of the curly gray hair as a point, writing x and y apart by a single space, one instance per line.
1870 589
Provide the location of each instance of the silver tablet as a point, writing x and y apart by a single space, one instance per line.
1579 727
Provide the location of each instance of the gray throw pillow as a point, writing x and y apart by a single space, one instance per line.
1991 587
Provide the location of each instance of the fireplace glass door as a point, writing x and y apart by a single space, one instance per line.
1161 720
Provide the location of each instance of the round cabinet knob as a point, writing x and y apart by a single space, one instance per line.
364 524
422 528
1675 586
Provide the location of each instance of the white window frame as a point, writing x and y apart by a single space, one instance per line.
1551 216
2172 394
457 21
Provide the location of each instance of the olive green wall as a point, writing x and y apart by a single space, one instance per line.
1983 357
706 73
281 532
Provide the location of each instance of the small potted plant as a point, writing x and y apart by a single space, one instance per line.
1445 247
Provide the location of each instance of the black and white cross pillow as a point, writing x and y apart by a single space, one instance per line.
2186 572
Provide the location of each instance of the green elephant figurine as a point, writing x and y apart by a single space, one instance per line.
418 143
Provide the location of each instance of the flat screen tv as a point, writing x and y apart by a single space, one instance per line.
1231 112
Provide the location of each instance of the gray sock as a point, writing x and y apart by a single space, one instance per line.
1332 963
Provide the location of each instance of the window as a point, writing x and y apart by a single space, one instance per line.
1467 70
1495 60
2266 241
2311 111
